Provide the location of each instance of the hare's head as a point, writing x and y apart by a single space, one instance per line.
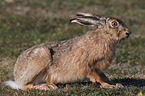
113 27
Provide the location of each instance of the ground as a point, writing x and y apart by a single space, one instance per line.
24 23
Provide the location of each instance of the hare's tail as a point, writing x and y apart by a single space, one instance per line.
13 84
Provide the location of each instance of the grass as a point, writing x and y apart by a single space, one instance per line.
24 23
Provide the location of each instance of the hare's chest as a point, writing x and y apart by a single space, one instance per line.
102 60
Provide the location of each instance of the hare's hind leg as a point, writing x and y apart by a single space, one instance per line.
37 82
32 65
40 86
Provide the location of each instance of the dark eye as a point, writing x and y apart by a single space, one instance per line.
114 24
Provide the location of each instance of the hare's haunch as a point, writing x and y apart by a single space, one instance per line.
73 59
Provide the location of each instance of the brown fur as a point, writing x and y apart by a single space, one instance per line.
70 60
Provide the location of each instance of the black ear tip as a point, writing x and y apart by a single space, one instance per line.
79 14
72 20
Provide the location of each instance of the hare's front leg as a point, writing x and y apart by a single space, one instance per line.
100 77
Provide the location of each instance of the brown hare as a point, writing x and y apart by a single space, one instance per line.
44 65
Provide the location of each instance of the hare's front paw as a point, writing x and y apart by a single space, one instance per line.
118 85
106 85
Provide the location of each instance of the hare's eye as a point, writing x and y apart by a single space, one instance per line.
114 24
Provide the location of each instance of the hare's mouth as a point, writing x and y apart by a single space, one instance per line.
124 38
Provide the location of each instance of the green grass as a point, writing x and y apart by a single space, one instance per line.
24 23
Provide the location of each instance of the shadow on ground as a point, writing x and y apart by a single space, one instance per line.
126 82
130 82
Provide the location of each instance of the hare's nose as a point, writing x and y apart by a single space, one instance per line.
128 34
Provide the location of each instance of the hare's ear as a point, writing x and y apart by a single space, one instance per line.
83 21
88 15
87 19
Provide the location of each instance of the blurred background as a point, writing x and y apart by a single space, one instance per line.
28 22
24 23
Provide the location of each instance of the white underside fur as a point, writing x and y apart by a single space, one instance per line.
13 84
